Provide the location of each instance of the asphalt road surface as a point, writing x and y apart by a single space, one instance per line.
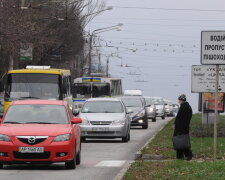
101 159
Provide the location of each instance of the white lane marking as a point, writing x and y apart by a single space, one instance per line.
110 164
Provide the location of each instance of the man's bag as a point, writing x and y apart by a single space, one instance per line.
181 141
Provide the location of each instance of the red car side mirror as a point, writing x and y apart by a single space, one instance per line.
76 120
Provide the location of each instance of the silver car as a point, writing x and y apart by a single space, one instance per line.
151 108
160 107
168 107
105 118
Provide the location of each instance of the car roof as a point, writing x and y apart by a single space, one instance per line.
131 97
47 102
103 99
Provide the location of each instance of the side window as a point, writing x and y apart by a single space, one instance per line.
70 112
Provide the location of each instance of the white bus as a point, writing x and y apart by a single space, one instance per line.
88 87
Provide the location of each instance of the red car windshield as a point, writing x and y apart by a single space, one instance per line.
36 114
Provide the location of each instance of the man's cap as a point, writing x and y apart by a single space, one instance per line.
182 97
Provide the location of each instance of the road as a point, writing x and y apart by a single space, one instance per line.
101 159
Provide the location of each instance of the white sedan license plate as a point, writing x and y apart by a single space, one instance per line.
31 149
100 129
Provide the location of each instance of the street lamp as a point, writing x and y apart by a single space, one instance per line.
97 31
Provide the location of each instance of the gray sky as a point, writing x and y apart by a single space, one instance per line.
166 34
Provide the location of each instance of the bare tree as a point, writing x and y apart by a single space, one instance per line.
54 27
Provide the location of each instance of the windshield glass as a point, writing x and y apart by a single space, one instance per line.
148 101
1 109
100 89
158 101
82 90
36 114
102 107
28 85
129 102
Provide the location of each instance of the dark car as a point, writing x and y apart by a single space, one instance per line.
1 109
136 105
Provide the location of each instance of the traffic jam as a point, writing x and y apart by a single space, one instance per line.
45 117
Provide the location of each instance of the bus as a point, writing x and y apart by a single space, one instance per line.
90 87
38 82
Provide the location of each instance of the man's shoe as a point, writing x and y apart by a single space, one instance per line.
189 158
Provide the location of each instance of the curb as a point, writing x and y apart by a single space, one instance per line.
138 155
122 172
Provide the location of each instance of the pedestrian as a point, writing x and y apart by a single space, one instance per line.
182 123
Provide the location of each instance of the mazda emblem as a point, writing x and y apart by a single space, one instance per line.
31 139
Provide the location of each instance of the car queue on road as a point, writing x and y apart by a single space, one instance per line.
42 129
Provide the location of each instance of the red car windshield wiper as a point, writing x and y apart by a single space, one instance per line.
29 97
40 123
11 122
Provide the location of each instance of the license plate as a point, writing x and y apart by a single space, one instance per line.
31 149
100 129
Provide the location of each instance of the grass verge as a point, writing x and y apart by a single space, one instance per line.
201 146
201 168
176 169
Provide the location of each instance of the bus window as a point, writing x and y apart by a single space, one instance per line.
82 90
100 89
28 85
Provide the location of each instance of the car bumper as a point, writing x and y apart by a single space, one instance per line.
140 121
160 114
9 153
151 115
103 131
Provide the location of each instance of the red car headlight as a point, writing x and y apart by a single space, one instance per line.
4 137
63 137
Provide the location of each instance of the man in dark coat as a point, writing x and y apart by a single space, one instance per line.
182 123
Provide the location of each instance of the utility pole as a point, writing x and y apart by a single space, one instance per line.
99 62
89 56
107 67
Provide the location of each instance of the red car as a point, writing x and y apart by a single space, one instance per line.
40 131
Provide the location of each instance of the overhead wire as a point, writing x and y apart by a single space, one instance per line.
170 9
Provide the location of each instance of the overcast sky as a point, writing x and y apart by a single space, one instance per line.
167 36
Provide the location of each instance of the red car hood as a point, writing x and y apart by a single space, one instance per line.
34 129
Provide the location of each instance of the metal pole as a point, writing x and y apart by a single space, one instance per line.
90 60
216 113
202 108
107 68
11 62
99 62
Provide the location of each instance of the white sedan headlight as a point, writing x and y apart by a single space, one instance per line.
118 122
140 114
4 137
63 137
150 109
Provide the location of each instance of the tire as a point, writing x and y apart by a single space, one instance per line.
1 166
145 126
154 119
71 164
163 117
129 137
78 158
83 139
126 138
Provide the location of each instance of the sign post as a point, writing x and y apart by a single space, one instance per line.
216 114
213 53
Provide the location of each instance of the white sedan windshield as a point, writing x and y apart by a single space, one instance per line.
103 107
